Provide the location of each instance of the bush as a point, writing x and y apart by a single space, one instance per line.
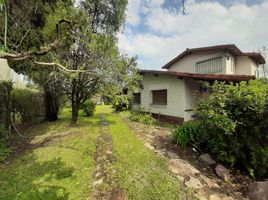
188 134
122 102
142 117
234 121
4 150
89 107
27 104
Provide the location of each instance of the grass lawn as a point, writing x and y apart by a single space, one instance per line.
60 169
61 163
141 173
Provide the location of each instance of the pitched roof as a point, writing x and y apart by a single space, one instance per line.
219 77
257 57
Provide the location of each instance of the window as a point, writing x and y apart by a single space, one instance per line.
137 98
159 97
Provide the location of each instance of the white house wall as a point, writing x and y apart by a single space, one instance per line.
187 64
175 95
192 94
243 66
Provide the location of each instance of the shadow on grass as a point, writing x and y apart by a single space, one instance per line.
33 179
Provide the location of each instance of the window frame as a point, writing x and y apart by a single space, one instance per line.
159 102
134 98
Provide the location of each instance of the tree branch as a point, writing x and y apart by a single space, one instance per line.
62 67
28 54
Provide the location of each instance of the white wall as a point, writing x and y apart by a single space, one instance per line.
192 94
245 66
187 64
175 95
8 74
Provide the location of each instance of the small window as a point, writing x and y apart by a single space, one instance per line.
137 98
159 97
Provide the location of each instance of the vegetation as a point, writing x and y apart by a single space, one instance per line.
59 167
122 102
188 134
142 117
232 125
89 107
141 173
27 104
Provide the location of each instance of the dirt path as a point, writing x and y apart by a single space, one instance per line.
104 180
183 164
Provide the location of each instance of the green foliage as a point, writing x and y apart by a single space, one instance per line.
121 102
89 107
188 134
234 121
4 150
142 117
27 104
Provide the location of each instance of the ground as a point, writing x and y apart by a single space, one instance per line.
101 158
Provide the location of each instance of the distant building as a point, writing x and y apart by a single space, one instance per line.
8 74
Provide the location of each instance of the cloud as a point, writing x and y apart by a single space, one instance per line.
206 23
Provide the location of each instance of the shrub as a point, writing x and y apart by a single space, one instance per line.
89 107
27 104
187 134
122 102
142 117
4 150
234 119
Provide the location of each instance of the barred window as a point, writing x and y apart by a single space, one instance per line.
159 97
137 98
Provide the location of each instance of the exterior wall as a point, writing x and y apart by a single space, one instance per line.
175 95
8 74
230 64
187 64
245 66
192 94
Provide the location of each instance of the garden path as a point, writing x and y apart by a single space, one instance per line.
183 163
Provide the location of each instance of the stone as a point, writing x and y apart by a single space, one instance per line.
222 172
97 182
211 183
193 183
181 167
214 197
206 159
227 198
149 146
258 190
172 155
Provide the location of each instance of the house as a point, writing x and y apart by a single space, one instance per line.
170 94
8 74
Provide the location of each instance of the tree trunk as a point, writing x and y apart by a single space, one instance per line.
51 107
75 110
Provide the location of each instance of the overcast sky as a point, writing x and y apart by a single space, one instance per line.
157 31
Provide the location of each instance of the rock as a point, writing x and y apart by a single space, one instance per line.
222 172
211 183
97 182
258 190
172 155
193 183
214 197
149 146
181 167
206 159
227 198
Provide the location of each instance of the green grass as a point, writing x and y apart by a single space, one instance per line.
141 173
60 170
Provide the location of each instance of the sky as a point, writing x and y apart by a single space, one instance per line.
156 31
